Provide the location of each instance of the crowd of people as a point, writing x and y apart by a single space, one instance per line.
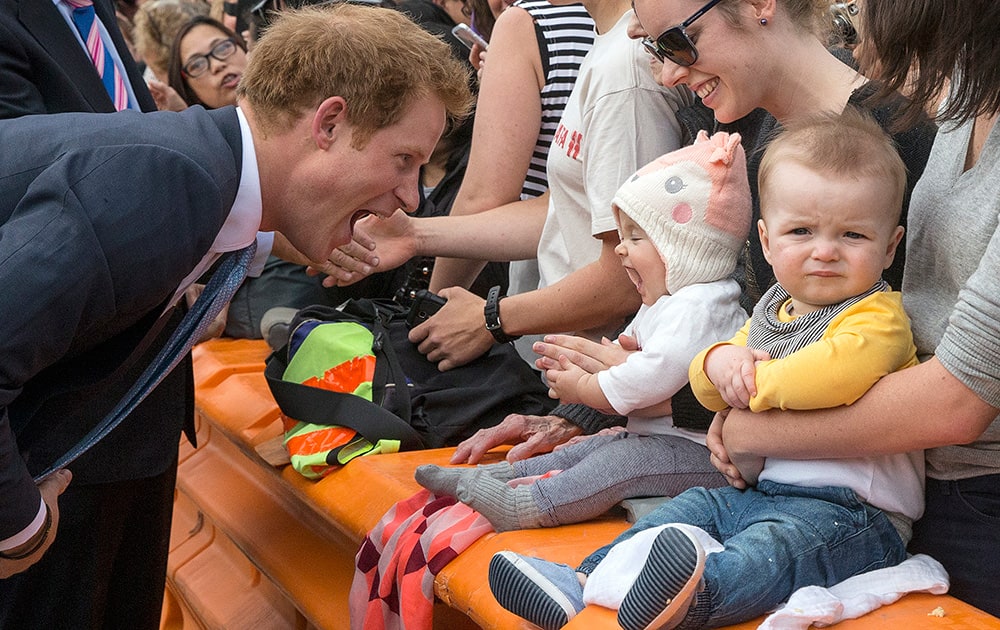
755 265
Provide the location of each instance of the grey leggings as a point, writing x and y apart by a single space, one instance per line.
604 470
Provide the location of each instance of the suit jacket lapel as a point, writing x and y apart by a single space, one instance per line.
42 19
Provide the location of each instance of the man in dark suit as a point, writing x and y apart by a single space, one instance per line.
105 219
45 68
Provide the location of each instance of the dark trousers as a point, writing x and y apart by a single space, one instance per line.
961 530
107 566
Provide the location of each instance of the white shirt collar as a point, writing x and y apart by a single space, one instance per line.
241 226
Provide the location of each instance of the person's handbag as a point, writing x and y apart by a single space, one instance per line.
350 383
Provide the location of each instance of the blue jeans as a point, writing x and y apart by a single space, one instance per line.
777 539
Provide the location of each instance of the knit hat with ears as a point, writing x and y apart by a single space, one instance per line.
694 204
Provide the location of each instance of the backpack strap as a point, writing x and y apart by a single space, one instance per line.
324 407
390 381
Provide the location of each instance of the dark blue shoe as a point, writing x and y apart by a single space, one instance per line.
667 585
545 593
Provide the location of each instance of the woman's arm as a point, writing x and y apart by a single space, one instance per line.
925 406
592 296
508 117
921 407
589 297
510 232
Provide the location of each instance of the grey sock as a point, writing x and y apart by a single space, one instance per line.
504 471
444 481
505 507
440 480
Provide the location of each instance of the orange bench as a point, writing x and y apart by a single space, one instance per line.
257 547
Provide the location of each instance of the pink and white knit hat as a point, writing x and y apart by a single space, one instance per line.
694 204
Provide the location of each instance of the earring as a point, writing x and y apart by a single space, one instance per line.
763 21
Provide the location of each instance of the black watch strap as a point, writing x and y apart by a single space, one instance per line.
492 314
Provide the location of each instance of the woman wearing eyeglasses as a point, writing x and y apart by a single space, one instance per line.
206 63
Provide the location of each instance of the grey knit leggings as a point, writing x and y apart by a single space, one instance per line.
604 470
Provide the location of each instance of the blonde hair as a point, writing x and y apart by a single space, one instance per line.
810 15
156 24
851 144
376 59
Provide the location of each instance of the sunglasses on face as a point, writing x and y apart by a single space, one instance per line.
197 65
673 44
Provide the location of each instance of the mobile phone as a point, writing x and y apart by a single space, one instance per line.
424 305
468 36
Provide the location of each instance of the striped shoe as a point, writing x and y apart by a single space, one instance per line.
545 593
667 585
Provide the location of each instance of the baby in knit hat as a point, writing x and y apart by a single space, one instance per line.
683 220
831 188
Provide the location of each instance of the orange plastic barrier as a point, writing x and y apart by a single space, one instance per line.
257 547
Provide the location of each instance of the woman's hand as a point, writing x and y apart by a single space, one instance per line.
167 99
588 355
742 472
530 435
377 244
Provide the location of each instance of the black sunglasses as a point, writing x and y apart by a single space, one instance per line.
674 44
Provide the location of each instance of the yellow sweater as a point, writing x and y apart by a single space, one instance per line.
861 345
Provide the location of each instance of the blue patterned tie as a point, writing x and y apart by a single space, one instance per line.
228 277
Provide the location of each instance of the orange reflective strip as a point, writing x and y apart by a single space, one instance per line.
347 376
319 441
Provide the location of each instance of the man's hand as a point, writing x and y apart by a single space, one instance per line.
456 334
590 356
378 245
732 369
531 435
51 488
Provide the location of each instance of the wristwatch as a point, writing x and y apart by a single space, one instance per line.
492 313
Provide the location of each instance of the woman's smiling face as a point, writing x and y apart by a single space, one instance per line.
726 75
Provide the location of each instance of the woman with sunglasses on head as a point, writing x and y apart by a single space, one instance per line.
949 403
759 63
207 61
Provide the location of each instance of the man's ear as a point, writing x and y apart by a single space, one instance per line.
329 119
765 244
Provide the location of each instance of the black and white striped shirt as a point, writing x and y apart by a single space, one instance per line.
565 34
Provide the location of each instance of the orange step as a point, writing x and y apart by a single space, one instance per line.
257 547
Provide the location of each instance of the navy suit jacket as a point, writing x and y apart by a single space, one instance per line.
43 68
101 217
